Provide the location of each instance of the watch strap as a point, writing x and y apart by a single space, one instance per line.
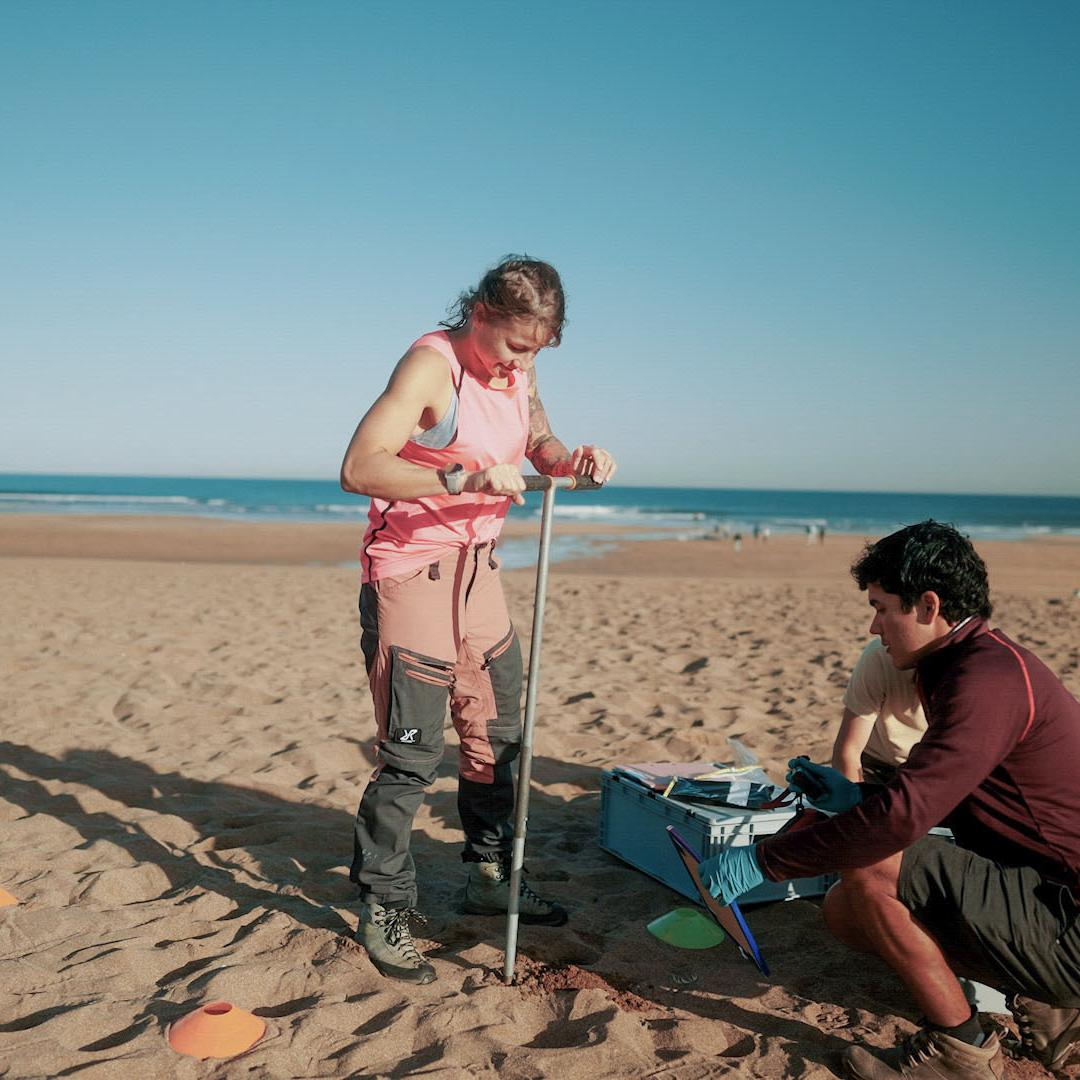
453 479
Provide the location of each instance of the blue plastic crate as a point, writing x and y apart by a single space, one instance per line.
633 820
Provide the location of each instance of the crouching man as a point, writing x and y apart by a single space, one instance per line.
1000 765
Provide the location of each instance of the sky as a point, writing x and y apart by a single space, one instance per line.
819 246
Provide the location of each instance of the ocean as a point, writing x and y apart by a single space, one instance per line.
689 512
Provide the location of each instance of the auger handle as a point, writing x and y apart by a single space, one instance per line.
570 483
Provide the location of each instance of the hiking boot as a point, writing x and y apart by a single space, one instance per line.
385 933
928 1055
1046 1033
487 892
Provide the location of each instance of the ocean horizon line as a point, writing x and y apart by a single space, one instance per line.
618 484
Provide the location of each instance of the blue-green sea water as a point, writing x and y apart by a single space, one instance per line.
688 511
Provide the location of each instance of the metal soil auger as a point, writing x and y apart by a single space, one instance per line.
546 484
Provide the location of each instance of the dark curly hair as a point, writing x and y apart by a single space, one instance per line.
517 287
928 557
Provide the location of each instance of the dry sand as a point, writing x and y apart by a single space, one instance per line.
185 739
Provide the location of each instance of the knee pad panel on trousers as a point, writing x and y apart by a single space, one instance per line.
419 686
505 744
504 669
503 665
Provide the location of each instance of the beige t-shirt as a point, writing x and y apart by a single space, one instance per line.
879 690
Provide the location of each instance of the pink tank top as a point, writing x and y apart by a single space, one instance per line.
492 429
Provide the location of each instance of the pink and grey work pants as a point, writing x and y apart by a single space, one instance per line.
442 631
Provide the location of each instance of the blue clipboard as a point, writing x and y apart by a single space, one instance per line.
730 918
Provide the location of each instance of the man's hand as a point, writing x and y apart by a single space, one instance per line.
593 462
498 480
731 873
823 786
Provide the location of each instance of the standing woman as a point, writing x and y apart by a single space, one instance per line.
438 454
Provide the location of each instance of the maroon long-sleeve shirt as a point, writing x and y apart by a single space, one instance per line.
999 764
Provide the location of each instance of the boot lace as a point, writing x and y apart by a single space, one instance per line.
528 894
916 1050
525 892
1027 1034
398 931
1025 1024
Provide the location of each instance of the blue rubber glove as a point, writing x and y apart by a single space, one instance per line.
840 793
731 873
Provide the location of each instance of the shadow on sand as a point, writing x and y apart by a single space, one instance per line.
297 844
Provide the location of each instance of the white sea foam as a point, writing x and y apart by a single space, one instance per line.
350 509
624 515
148 500
593 511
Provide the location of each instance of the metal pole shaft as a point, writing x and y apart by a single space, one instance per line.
521 803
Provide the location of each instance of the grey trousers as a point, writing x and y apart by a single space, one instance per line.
1005 926
435 636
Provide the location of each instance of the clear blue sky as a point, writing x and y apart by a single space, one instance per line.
827 245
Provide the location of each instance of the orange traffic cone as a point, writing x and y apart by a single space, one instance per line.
6 899
217 1030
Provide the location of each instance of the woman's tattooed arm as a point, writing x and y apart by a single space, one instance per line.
547 454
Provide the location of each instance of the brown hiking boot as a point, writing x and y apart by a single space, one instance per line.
1047 1033
928 1055
487 892
386 935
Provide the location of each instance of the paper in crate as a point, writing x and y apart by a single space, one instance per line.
658 775
634 816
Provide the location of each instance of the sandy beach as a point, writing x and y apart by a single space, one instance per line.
186 733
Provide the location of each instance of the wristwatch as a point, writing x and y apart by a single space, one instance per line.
453 478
